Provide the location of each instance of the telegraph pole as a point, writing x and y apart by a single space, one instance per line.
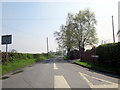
47 46
113 29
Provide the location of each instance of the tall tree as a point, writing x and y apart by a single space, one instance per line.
64 36
84 28
78 32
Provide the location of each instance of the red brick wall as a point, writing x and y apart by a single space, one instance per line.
86 56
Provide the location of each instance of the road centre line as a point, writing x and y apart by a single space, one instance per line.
60 82
112 85
55 67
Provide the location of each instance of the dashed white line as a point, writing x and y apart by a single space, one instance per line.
112 85
55 67
60 82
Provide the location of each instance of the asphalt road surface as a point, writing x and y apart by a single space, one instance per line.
59 73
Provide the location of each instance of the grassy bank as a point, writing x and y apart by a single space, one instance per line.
100 67
11 66
84 63
16 64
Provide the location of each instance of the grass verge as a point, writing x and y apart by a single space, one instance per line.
16 64
100 67
11 66
84 63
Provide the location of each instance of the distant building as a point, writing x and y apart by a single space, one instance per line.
118 22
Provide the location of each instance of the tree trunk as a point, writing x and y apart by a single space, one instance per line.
80 51
68 52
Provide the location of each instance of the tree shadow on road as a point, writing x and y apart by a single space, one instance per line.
104 73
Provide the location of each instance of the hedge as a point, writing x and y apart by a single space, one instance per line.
109 54
19 56
16 56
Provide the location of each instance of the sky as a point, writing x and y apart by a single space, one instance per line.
30 23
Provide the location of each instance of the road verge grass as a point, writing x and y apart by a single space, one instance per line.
83 63
99 67
20 63
11 66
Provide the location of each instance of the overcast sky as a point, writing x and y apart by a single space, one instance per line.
31 22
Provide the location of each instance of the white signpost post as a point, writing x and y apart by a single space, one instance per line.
6 39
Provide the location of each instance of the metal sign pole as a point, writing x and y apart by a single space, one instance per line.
6 51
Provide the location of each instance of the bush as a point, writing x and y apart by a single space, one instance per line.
18 60
51 56
109 54
36 56
16 56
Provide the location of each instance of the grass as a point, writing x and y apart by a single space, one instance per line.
11 66
84 63
42 57
0 69
98 66
51 56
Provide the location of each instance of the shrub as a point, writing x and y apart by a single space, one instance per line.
15 56
18 56
109 54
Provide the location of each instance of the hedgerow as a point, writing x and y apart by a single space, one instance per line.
109 54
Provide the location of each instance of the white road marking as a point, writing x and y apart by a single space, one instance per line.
60 82
55 67
112 85
89 83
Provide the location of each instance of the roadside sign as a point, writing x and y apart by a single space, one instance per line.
95 56
6 39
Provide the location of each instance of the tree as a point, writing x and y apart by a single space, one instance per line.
79 31
104 41
64 36
13 50
84 29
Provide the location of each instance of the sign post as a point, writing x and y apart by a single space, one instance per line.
6 39
6 51
94 56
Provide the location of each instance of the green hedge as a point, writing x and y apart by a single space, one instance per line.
16 56
109 54
20 56
19 60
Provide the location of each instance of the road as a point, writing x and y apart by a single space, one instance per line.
59 73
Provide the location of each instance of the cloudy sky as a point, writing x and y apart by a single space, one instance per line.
31 22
